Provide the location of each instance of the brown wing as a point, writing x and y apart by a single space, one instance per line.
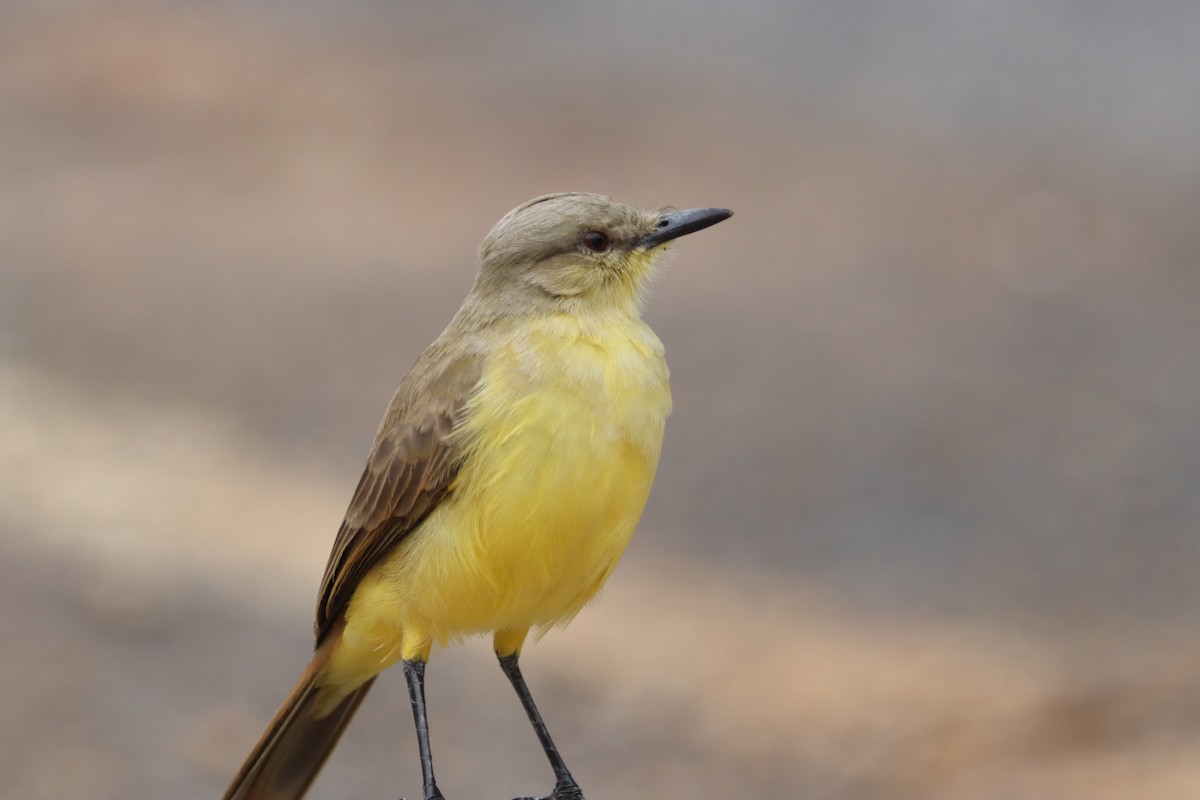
410 469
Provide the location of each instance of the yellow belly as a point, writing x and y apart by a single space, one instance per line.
562 443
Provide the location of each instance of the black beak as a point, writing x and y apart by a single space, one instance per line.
673 224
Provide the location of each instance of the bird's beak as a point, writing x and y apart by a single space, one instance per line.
673 224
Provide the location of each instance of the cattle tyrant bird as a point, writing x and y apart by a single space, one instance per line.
505 480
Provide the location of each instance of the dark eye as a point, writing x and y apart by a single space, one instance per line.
596 241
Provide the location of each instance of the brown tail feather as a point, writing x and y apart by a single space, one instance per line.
294 746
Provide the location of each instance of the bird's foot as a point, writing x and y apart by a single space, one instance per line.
562 791
431 795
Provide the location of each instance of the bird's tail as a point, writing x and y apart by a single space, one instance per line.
294 746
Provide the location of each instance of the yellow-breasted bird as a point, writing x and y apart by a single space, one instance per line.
505 480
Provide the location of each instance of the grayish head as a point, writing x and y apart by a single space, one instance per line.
578 251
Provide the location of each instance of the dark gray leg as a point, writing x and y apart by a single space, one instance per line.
565 787
414 673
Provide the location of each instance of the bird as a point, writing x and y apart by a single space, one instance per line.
504 482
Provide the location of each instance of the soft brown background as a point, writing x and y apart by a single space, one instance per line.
926 522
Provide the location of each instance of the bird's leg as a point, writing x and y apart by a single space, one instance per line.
565 787
414 673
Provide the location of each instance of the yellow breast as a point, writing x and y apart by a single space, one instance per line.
562 442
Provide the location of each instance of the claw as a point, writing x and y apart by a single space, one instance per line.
559 793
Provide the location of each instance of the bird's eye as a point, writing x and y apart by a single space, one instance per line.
596 241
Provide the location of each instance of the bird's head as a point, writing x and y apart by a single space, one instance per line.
576 251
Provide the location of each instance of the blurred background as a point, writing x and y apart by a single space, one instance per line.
926 520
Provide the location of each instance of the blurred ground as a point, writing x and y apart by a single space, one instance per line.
925 524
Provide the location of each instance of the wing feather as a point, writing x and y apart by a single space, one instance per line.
412 466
